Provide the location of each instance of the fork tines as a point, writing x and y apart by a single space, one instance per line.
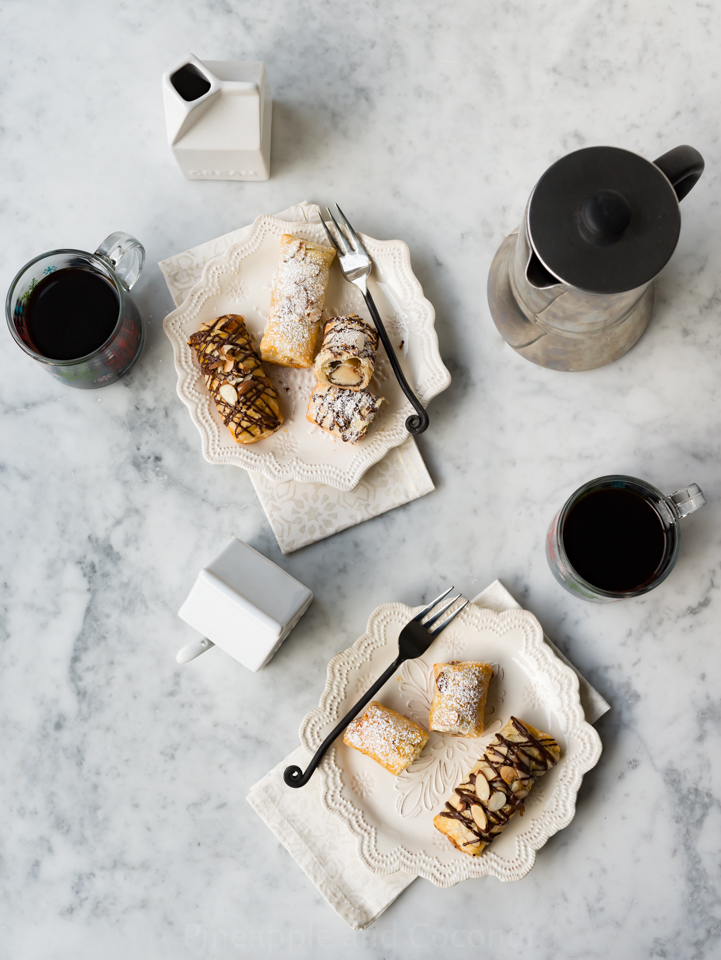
451 616
340 243
444 623
426 610
346 239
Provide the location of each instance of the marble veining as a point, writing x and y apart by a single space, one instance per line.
125 826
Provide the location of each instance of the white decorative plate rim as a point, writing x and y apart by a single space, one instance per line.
433 376
555 816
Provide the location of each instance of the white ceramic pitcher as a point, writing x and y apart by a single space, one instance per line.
218 118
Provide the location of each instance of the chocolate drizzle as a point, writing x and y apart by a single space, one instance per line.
511 764
341 338
347 354
233 370
343 413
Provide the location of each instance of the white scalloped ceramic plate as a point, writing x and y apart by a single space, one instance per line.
239 281
392 817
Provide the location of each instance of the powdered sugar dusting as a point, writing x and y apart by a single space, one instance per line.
461 688
300 281
350 336
388 737
343 413
293 335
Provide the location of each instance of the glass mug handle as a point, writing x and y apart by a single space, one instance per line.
125 254
687 500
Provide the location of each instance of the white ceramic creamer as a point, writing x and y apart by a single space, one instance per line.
218 118
243 603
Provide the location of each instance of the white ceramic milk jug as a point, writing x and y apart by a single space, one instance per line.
218 118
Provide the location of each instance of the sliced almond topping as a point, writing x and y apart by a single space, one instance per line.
228 365
483 791
479 815
228 393
455 801
244 387
498 800
508 773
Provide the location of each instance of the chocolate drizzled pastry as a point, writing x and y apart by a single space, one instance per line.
343 413
347 354
243 394
481 806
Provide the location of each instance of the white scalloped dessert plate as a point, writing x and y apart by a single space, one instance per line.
239 281
392 817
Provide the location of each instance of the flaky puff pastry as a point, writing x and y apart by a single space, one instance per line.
481 806
346 414
347 354
296 302
458 705
243 394
387 737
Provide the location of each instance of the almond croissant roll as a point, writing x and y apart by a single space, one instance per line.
296 302
481 806
243 394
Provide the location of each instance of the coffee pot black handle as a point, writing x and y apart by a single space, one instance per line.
683 166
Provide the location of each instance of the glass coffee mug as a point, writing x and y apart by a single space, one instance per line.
617 537
71 311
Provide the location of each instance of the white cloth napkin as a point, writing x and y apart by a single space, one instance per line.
322 845
301 513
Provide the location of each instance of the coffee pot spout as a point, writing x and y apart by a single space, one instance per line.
537 275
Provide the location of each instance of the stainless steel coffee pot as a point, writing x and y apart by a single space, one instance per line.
573 288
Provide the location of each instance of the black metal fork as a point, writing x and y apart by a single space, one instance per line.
413 641
355 262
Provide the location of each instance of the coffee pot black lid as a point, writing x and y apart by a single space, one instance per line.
604 220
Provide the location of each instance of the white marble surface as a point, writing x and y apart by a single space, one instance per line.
125 828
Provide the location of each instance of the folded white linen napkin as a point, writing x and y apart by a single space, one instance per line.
322 845
302 513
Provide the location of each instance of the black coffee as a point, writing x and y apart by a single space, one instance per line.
70 313
615 540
